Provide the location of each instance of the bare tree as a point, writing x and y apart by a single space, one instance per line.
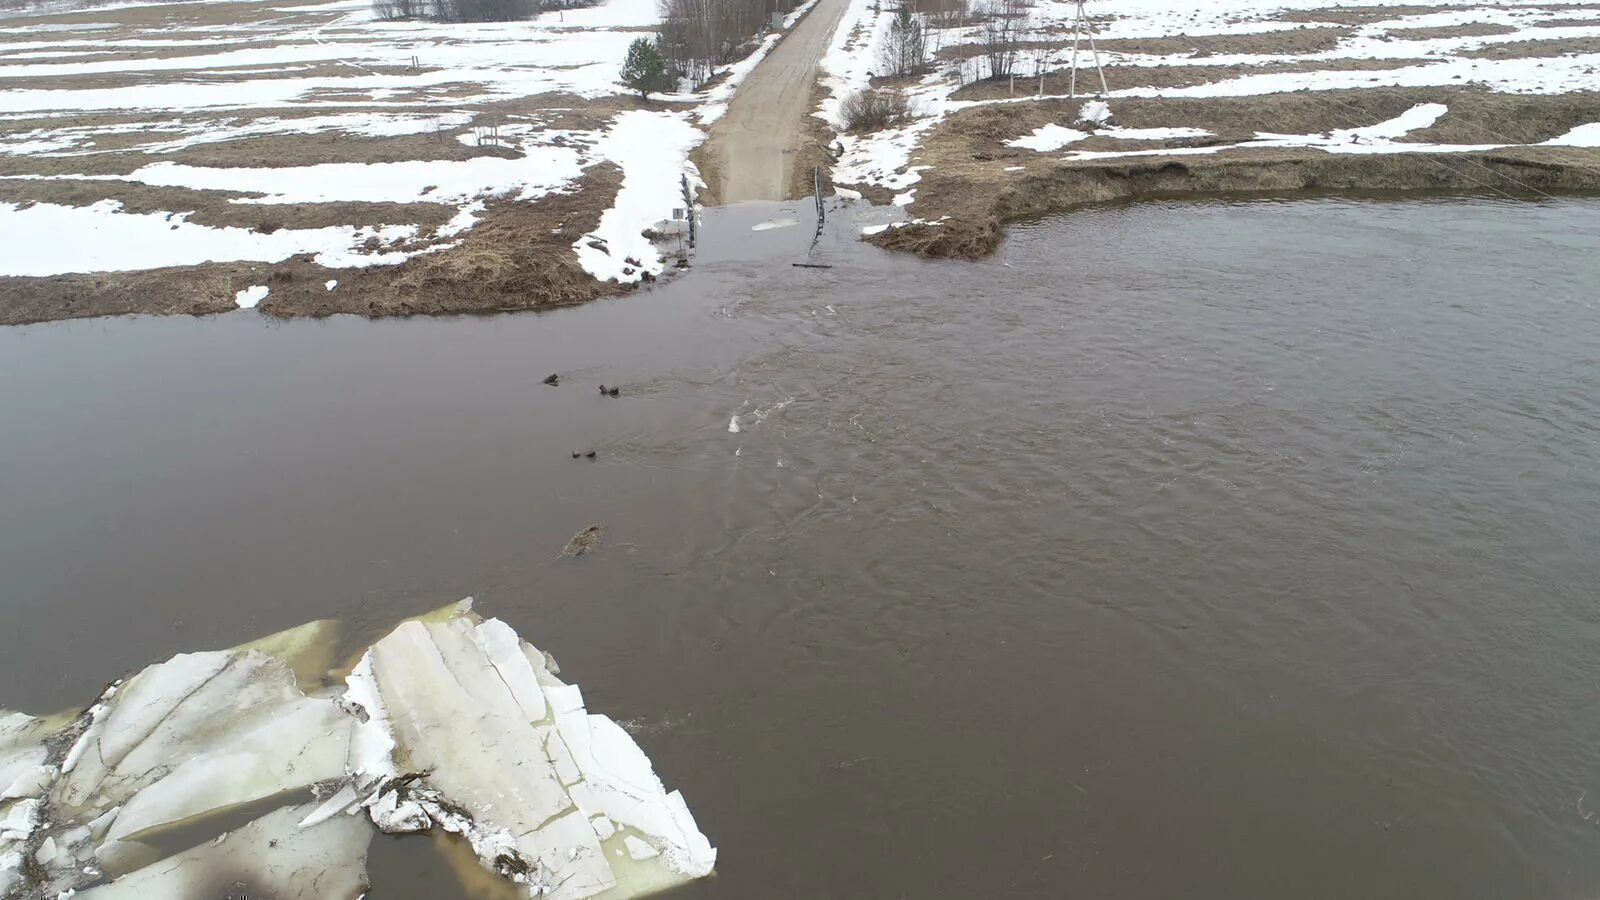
905 44
696 36
397 9
1005 21
1040 55
456 10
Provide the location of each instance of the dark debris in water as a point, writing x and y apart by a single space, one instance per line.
584 541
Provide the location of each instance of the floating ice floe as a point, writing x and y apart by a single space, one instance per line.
450 722
774 224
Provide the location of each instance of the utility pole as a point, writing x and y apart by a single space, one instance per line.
1081 26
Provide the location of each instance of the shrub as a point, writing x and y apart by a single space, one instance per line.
872 110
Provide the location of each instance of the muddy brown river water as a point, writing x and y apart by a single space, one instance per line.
1205 550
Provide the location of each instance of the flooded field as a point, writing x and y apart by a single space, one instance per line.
1213 550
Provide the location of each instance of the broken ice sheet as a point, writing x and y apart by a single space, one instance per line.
516 765
243 765
270 857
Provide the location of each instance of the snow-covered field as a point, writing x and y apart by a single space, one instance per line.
118 97
1389 57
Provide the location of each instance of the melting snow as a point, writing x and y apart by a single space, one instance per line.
1582 136
250 296
106 239
539 171
887 158
390 64
1046 138
653 150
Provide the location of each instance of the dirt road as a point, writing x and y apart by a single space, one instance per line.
752 148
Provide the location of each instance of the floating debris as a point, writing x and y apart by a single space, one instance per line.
584 541
449 722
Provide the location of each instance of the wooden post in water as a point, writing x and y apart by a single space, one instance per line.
688 207
822 211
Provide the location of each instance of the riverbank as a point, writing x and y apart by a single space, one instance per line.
517 257
1492 98
980 180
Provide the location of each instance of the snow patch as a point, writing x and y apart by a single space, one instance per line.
106 239
653 150
250 296
1048 138
1582 136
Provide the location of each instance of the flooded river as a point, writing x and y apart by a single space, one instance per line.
1196 550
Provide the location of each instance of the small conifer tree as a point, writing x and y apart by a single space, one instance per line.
643 69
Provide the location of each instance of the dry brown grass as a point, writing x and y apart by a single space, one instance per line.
1538 49
217 209
1474 29
970 190
965 238
1357 15
176 17
1164 77
1311 39
1362 15
519 257
1300 41
1482 117
813 152
194 290
1568 23
265 151
1476 117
